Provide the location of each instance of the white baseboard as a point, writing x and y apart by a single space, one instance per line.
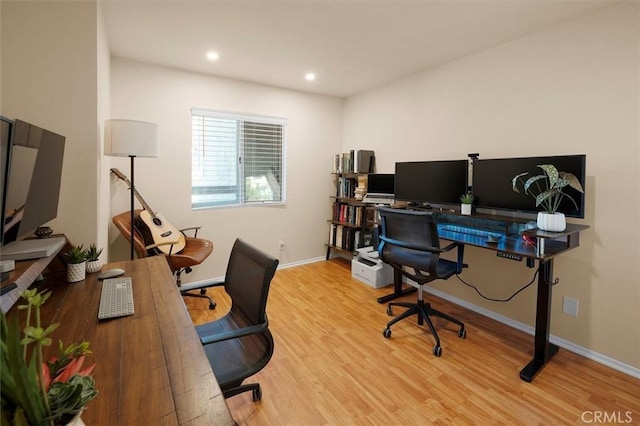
570 346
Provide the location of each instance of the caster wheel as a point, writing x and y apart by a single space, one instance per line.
387 333
212 305
389 311
437 350
257 394
462 333
203 291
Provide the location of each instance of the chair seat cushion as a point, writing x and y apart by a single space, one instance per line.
234 360
419 260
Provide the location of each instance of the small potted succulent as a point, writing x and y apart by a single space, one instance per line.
548 191
93 259
77 264
466 201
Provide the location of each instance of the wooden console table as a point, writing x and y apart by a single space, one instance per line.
150 367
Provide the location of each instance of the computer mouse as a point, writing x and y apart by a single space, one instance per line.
111 273
491 239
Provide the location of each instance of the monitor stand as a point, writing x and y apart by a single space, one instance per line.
32 249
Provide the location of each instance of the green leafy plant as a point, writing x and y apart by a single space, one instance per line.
93 253
76 254
548 188
37 392
466 198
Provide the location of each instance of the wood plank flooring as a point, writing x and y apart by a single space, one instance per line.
332 366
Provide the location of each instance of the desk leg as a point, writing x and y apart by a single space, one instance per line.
397 288
543 349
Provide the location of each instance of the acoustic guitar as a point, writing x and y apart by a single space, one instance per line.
154 227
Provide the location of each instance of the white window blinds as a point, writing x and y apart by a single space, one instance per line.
236 159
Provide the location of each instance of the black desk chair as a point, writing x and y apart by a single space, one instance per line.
409 242
240 344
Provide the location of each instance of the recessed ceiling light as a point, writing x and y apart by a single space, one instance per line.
212 56
310 76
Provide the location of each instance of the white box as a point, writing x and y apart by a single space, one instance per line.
377 275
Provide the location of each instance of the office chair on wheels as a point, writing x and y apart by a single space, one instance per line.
409 242
240 344
195 252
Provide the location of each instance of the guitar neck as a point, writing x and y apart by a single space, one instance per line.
146 206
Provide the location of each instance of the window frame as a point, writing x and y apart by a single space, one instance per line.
240 169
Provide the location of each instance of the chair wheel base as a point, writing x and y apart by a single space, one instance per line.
437 350
462 333
387 333
212 305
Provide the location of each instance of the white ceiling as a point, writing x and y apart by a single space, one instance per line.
350 45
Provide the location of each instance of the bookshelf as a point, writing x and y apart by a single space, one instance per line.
352 220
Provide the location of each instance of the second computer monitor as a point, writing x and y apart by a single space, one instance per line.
431 182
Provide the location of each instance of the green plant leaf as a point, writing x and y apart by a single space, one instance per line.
514 181
530 181
552 172
573 181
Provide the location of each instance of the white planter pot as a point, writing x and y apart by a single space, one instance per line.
93 266
465 209
553 222
76 272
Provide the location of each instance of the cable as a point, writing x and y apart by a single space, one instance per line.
499 300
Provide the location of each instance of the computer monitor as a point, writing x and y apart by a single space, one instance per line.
492 183
33 172
6 131
431 182
381 183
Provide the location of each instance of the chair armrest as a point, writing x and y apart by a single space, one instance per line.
404 244
202 284
234 334
449 247
191 228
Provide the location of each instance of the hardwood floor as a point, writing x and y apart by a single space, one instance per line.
332 366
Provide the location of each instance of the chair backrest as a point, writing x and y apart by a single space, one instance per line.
122 221
247 281
410 238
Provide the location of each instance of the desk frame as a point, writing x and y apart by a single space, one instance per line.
549 245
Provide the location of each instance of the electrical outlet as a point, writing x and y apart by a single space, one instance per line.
570 306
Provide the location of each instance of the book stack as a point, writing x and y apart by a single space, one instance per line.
361 189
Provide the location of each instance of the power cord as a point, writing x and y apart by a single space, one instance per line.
499 300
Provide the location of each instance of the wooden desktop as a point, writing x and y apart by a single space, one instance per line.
150 367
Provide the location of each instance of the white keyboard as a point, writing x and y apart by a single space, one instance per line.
116 299
379 198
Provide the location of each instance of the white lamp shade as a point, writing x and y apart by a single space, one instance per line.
124 138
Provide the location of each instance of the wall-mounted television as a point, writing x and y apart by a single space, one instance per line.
431 182
492 183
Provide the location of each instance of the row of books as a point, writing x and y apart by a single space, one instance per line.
346 187
354 161
348 214
347 238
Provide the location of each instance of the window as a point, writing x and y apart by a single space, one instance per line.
236 159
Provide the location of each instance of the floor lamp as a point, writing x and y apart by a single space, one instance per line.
130 138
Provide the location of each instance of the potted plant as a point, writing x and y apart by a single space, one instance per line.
93 259
548 191
35 391
466 201
77 266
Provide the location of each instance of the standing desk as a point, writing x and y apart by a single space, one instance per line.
150 367
545 246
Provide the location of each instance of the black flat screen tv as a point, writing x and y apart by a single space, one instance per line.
492 180
431 182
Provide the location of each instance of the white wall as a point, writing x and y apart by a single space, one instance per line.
166 96
48 52
567 90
